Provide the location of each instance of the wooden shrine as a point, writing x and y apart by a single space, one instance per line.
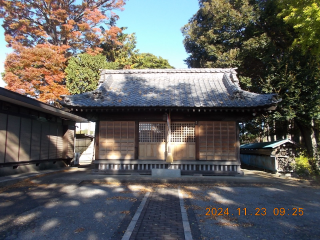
143 116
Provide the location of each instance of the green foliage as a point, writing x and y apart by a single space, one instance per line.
250 35
304 16
148 60
128 57
302 166
83 72
214 35
123 52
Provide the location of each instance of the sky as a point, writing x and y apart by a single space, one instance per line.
157 24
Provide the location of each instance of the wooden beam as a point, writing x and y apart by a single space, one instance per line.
136 140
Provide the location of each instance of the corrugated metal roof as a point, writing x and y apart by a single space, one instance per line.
170 88
273 144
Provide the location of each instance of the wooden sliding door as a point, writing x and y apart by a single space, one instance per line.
183 141
152 141
116 140
217 140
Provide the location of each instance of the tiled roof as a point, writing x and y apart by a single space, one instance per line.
205 87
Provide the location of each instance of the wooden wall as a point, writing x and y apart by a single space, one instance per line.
24 139
217 140
206 140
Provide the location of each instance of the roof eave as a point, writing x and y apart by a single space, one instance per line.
18 99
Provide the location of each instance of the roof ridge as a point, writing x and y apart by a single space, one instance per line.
180 70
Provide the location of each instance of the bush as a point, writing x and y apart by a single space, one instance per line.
302 166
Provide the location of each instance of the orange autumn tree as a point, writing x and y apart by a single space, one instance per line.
53 25
36 71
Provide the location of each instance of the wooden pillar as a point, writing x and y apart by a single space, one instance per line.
197 140
136 140
96 142
237 141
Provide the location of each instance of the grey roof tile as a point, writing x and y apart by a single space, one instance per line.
209 87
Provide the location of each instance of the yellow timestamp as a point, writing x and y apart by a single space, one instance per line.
254 212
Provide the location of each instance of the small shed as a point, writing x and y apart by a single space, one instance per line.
276 156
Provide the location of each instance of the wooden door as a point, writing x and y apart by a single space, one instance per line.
217 140
116 140
152 141
183 141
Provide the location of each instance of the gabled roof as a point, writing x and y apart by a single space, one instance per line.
211 87
266 145
21 100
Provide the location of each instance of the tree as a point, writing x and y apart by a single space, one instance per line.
250 35
304 16
127 56
67 27
214 35
36 71
78 24
120 52
83 72
148 60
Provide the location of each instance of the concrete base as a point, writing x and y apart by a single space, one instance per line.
174 173
6 171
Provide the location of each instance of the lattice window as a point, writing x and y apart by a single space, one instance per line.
152 132
182 132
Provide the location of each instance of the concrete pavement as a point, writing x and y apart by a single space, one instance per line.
76 204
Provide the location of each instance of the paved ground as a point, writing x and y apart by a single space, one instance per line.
161 215
77 204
